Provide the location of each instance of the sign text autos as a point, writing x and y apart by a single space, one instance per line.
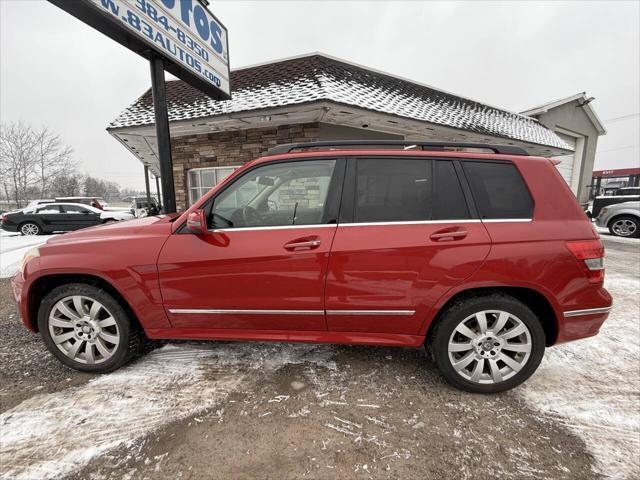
182 29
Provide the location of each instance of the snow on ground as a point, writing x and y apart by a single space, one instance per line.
593 385
12 247
53 435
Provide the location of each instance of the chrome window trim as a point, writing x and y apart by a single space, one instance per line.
245 312
274 227
587 311
368 224
413 222
506 220
371 312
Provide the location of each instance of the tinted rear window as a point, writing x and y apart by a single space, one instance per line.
392 190
401 190
499 190
448 200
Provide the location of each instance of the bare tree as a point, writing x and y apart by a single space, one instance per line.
54 158
30 158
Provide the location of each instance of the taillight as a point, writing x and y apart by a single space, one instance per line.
591 254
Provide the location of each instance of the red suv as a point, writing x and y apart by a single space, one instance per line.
479 252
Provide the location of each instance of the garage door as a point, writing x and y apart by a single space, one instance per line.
566 161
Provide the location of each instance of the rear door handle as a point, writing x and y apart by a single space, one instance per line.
302 245
449 234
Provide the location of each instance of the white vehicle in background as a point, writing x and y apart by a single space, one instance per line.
622 219
39 201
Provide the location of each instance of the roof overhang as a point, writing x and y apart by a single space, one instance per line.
141 140
583 101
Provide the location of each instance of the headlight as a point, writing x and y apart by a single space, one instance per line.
31 254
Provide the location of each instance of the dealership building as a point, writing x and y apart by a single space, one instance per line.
318 97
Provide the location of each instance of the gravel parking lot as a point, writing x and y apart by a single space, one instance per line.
247 410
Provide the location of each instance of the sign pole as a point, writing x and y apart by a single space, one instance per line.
162 133
146 184
158 192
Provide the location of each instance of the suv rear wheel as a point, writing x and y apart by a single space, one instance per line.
487 344
87 329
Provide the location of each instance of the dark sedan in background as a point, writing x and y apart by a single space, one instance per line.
58 217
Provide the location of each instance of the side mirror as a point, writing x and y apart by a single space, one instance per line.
196 223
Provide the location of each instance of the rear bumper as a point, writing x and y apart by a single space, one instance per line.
584 322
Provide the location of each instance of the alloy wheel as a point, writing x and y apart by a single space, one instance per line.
624 227
29 229
83 329
490 346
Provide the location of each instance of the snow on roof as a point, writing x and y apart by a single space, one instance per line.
317 77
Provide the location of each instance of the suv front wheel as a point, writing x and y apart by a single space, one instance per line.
87 329
487 344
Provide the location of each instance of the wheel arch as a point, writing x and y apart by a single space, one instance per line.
45 284
536 301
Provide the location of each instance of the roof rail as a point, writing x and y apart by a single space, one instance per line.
501 149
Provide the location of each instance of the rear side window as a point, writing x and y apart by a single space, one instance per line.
404 190
499 190
448 200
392 190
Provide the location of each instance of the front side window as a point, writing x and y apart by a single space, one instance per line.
201 180
280 194
499 190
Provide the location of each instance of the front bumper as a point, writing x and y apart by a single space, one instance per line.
17 286
602 220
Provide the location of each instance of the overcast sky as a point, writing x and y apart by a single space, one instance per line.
56 71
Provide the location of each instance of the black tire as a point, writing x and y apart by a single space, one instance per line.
131 338
30 225
438 340
631 218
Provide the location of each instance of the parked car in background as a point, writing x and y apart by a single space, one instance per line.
58 217
140 207
483 256
96 202
622 219
627 191
621 195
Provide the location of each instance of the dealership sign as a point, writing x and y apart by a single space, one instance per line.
191 40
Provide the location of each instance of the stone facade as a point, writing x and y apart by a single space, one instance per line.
221 149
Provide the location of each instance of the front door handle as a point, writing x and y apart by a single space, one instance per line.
449 234
303 245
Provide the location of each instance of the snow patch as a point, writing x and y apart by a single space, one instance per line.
13 246
593 386
53 435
